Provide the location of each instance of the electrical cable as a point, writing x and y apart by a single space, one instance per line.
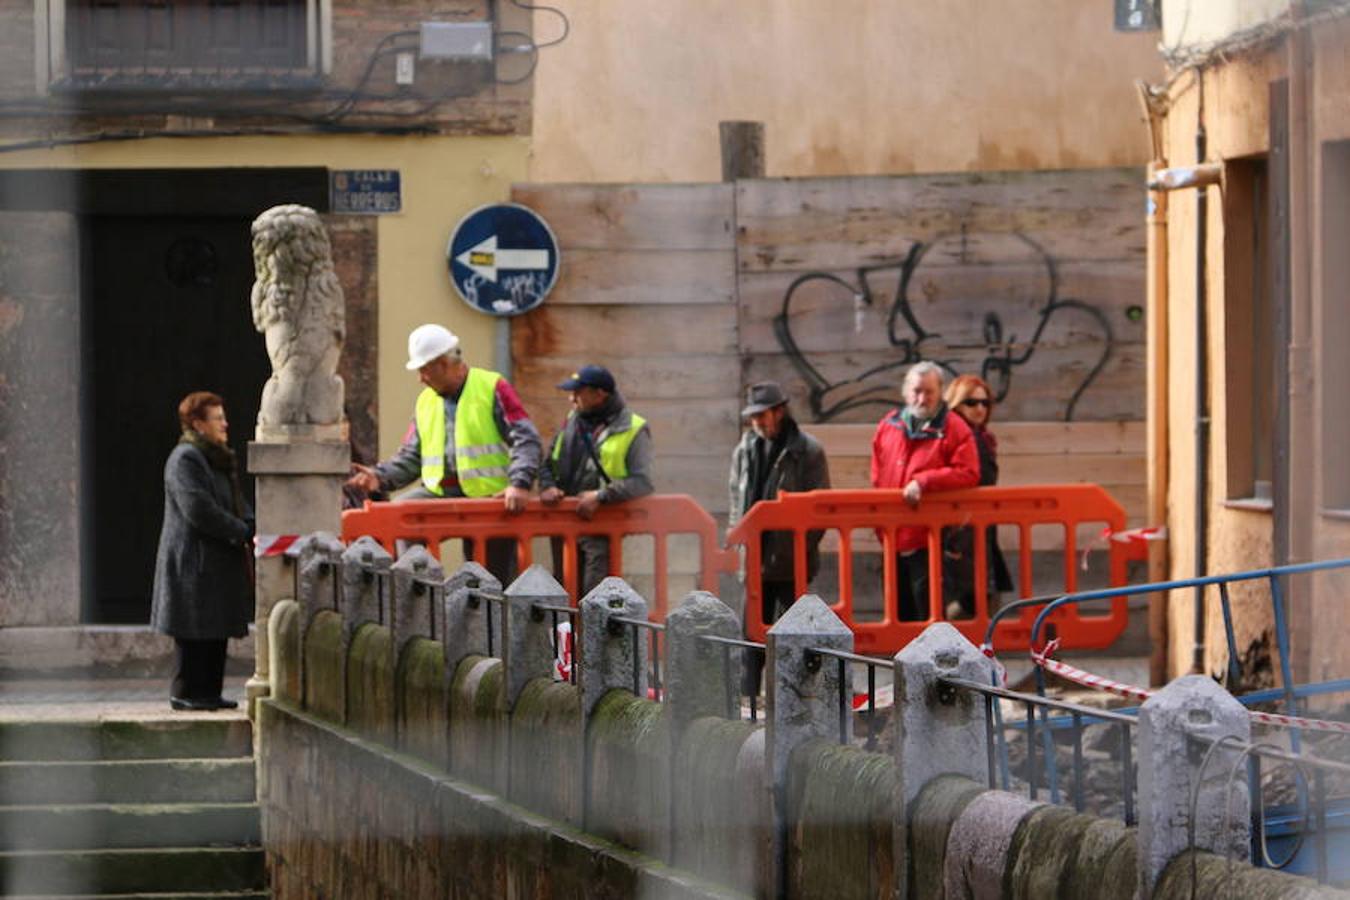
567 25
529 47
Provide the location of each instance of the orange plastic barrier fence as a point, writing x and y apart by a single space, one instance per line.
884 511
661 516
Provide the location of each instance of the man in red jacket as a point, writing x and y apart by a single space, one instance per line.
920 449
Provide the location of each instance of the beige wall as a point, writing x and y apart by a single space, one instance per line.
1237 121
443 178
848 88
1191 23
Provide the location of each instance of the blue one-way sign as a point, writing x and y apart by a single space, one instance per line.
503 259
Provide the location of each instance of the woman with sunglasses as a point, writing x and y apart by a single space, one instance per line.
971 398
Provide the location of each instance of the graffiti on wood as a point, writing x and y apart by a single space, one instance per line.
994 348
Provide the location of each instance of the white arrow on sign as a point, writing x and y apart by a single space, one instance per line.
485 259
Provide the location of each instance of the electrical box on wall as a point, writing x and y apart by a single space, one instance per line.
467 41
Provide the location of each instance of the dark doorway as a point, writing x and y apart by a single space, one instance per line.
166 312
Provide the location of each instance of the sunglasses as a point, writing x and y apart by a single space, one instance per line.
971 401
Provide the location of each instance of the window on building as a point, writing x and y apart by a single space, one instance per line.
1334 416
1249 331
117 43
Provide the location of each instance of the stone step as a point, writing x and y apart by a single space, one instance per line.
106 826
172 871
205 736
129 781
173 895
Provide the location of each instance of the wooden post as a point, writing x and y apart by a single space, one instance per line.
742 149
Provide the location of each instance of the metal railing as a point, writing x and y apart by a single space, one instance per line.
1078 718
733 692
1312 773
815 657
654 630
475 596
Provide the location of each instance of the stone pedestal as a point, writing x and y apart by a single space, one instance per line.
299 491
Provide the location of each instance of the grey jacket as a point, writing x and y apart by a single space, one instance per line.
201 589
800 467
575 470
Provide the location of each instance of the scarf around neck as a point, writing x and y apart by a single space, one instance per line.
222 459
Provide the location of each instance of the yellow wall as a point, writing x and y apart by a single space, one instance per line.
845 88
1199 22
442 179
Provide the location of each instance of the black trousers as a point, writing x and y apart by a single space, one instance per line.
201 669
911 573
777 597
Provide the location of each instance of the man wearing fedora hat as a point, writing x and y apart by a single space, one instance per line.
601 455
774 456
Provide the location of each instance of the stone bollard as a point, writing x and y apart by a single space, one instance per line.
801 703
697 684
365 571
527 646
318 557
938 731
611 655
417 578
1169 767
465 624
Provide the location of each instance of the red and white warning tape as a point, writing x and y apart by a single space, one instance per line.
272 544
1133 692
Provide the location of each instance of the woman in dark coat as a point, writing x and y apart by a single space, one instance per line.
971 398
203 585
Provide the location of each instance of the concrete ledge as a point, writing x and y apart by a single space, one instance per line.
125 650
301 458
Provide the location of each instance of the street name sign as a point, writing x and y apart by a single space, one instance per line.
365 191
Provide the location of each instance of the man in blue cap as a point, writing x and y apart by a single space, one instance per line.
603 454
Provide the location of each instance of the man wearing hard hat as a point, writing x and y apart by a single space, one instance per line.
469 437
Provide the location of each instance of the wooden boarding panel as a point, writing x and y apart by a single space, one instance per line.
829 223
639 378
633 217
634 331
641 277
1014 438
686 427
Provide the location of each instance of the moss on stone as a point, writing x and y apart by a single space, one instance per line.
1105 867
1043 852
630 753
478 725
420 689
325 682
841 815
1214 876
721 814
930 819
283 651
370 683
546 771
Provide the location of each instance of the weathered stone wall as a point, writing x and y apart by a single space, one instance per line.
346 817
39 419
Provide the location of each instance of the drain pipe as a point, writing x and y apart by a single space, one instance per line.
1200 176
1201 384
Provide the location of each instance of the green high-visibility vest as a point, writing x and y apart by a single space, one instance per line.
481 455
613 448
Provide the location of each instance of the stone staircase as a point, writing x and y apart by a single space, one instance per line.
155 807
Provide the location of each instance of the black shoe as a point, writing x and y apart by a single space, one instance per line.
188 703
223 703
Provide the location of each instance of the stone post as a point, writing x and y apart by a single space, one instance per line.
697 684
1169 768
801 702
417 576
527 651
316 562
464 626
610 653
299 491
365 584
938 731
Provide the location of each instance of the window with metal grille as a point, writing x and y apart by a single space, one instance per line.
164 37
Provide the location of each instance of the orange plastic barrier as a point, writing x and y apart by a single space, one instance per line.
884 511
661 516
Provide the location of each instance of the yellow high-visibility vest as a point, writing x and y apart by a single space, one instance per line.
481 455
613 448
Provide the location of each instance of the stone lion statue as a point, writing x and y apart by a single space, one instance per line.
297 305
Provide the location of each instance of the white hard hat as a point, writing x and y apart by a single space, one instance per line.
428 342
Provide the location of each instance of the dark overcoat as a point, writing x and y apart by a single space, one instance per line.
201 587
